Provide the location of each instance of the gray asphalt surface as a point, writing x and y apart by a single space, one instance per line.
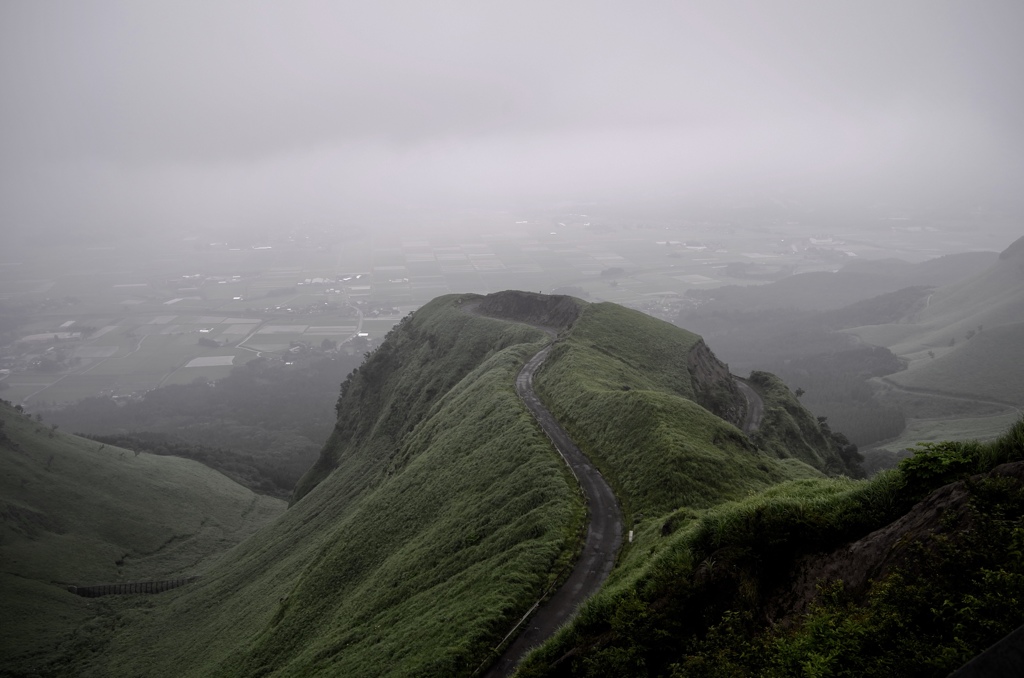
755 408
604 533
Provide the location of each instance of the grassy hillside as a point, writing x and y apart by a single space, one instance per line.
263 425
910 574
438 515
984 366
75 511
620 385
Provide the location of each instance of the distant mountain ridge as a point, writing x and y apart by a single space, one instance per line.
856 281
928 337
966 339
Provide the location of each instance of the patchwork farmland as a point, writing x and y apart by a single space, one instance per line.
126 318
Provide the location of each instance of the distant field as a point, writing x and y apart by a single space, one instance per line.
378 327
934 430
987 365
148 301
187 374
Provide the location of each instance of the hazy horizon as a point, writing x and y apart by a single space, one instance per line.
139 116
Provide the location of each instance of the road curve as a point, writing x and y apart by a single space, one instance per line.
604 532
755 407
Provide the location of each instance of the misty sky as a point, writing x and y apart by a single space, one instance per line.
157 114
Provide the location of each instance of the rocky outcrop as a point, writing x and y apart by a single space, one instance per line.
553 311
715 389
875 556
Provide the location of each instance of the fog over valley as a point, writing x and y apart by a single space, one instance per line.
390 338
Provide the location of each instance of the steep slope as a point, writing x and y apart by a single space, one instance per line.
76 512
438 512
622 385
911 574
437 516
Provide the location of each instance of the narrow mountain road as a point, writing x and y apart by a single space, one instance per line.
755 407
604 532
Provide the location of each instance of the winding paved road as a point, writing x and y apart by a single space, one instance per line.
604 532
755 407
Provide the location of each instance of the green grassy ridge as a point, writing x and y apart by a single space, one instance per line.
438 512
399 383
415 556
691 604
619 384
648 353
788 430
78 512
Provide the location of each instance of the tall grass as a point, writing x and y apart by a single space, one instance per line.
76 512
693 604
439 516
621 386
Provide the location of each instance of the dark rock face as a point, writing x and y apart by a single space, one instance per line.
554 311
714 386
875 555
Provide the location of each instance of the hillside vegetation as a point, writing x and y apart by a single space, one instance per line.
437 516
912 574
263 425
438 513
78 512
621 386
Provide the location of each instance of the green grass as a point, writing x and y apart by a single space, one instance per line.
439 515
76 512
697 602
438 512
621 387
788 430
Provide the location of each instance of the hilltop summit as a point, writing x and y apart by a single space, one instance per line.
438 513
